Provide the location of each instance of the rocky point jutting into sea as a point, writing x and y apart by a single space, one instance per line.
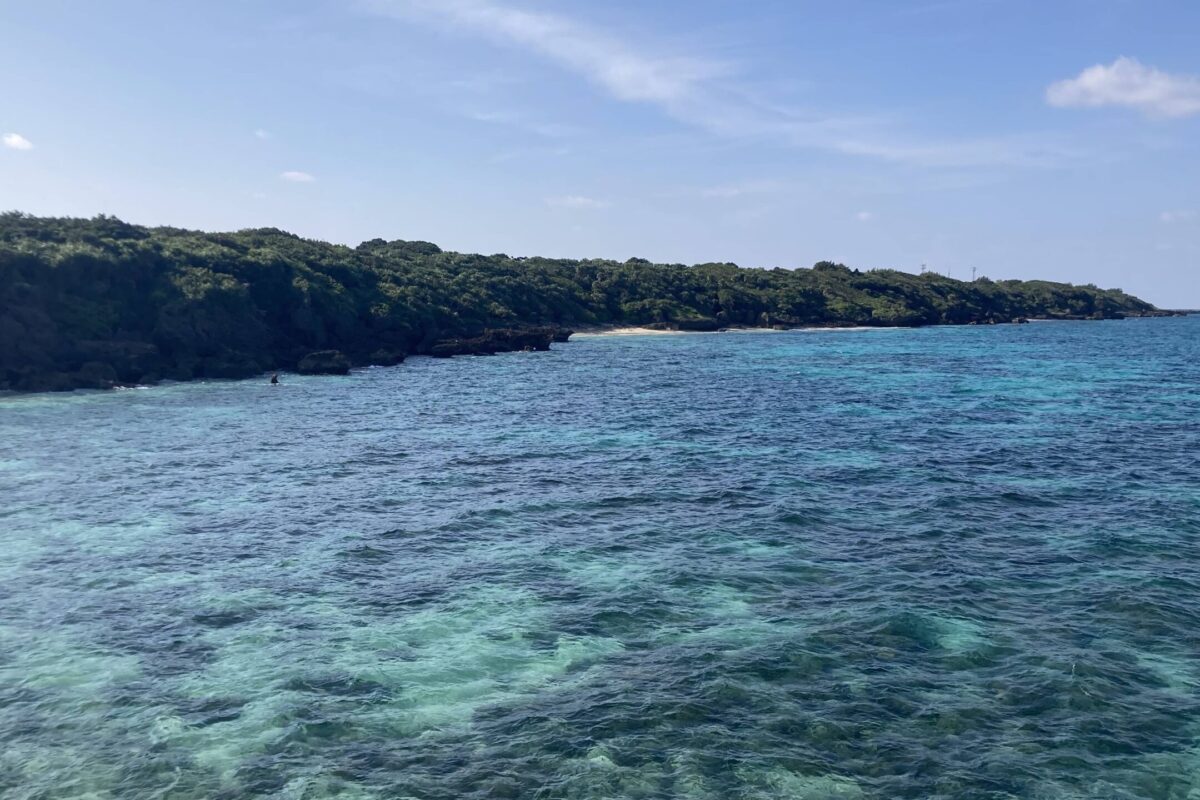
98 303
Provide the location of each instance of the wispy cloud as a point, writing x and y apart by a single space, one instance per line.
732 190
627 74
1185 215
259 133
295 176
865 216
1129 83
576 201
512 119
16 141
703 93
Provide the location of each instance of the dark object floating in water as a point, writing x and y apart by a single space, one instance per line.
275 379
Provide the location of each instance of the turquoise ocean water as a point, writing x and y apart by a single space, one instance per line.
935 563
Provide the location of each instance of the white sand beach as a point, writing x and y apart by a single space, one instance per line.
614 331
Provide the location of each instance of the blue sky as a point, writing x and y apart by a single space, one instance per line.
1022 138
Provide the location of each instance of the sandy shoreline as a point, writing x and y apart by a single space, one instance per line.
591 331
614 330
600 331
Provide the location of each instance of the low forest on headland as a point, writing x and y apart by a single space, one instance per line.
100 302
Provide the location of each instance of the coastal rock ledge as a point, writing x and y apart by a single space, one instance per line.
500 340
324 362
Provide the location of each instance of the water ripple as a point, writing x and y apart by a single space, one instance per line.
938 563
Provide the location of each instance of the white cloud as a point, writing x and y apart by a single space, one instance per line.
701 92
1007 151
1169 217
1129 83
865 216
259 133
296 176
624 72
576 201
16 141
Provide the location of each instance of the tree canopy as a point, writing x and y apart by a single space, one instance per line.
88 301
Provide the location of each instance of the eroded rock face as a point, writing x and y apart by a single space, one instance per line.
705 324
702 324
492 341
96 375
228 366
132 361
43 381
783 322
324 362
386 358
32 364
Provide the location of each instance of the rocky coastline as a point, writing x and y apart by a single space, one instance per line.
113 364
101 303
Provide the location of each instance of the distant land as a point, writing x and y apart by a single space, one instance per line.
96 303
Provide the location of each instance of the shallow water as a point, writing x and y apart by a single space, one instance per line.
935 563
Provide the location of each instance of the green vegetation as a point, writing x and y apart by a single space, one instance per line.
97 302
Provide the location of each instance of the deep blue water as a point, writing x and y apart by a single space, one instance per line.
936 563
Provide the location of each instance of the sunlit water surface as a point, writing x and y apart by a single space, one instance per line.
937 563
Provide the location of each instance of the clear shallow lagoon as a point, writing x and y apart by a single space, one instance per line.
935 563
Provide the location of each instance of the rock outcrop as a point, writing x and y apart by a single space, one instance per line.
96 375
386 358
324 362
706 324
496 340
702 324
